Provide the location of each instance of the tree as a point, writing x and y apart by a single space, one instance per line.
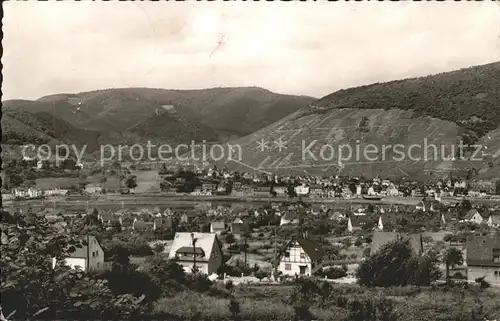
290 190
465 205
119 257
230 239
396 264
426 268
167 273
451 258
32 287
13 180
131 182
302 298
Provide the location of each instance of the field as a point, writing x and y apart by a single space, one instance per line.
146 181
266 302
56 182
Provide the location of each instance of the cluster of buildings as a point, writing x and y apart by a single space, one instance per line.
214 181
111 185
300 256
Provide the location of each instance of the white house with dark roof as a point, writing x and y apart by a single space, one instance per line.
474 216
494 220
206 252
300 256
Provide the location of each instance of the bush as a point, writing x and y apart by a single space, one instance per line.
482 283
261 275
229 285
333 273
198 282
138 283
459 276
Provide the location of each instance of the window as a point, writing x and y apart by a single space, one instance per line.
497 273
302 255
93 254
496 255
97 253
287 254
98 264
288 267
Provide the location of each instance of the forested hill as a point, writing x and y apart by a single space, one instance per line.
468 97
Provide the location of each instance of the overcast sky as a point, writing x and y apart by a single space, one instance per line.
309 48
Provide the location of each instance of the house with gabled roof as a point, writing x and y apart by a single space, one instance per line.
300 256
89 257
142 226
165 223
357 222
483 258
236 226
188 217
108 219
336 216
493 220
202 250
290 218
126 222
217 227
473 216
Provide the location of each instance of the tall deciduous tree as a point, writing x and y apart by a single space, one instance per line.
396 264
451 258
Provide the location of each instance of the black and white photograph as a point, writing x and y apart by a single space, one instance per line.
246 160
